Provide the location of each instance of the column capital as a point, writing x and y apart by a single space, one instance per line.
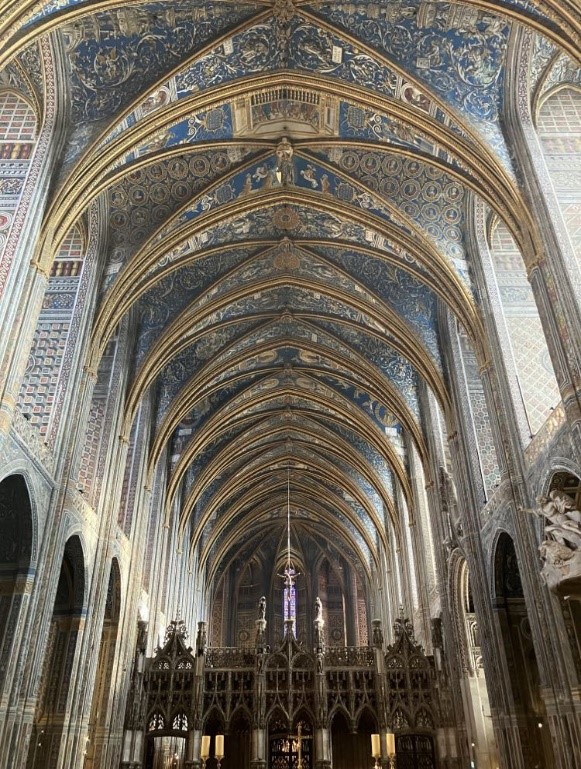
40 268
484 367
534 264
90 372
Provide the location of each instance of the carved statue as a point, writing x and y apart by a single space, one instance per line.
260 662
319 637
377 635
284 158
437 635
560 551
201 639
318 609
262 608
449 500
564 520
555 553
260 691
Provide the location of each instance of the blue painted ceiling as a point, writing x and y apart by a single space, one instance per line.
286 296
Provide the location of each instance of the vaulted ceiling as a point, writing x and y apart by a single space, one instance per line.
286 298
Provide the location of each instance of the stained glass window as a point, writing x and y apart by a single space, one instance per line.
289 606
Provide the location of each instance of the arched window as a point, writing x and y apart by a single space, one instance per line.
517 639
16 537
289 601
58 674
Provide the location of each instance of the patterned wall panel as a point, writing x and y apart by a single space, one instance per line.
40 383
89 454
486 448
17 138
529 349
559 127
216 618
125 515
335 618
457 50
362 620
88 477
248 594
114 54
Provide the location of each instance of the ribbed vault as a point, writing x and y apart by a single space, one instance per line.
288 190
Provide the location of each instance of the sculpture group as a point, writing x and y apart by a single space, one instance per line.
560 549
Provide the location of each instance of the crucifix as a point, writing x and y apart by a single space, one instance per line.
299 737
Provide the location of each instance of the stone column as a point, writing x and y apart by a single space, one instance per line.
322 748
258 757
422 545
193 749
442 507
132 745
383 717
470 498
132 752
195 733
258 749
351 619
322 744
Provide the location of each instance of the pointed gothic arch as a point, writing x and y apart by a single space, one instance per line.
16 547
53 702
475 696
523 670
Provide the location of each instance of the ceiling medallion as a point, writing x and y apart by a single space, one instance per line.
286 218
286 257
